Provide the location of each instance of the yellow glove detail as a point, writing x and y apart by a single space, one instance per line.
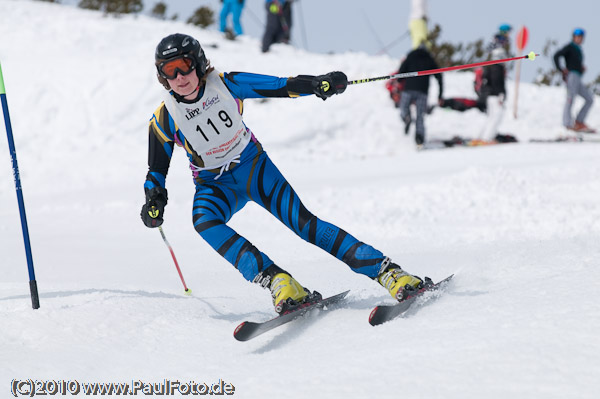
153 212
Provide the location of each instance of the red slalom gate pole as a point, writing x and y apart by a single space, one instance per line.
522 38
187 290
530 56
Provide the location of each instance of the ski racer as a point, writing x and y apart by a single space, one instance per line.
202 113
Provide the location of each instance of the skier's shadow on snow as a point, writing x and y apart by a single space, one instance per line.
293 331
63 294
296 328
219 315
112 293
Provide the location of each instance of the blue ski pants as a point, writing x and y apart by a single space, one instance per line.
233 7
257 179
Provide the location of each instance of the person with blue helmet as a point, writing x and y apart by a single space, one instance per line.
572 73
501 38
504 29
235 8
201 112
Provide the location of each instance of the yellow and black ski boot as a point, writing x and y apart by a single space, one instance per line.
286 292
399 283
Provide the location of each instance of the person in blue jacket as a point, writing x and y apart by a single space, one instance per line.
202 113
572 73
235 8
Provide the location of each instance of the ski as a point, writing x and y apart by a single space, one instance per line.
458 141
569 139
384 313
436 144
248 329
559 139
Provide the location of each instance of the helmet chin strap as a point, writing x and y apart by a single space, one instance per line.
196 89
181 98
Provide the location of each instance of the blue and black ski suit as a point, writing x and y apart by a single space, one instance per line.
224 189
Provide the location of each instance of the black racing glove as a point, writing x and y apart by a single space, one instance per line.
327 85
154 208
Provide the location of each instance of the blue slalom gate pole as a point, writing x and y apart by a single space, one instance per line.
35 299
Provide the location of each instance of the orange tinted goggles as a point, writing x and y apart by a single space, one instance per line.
169 69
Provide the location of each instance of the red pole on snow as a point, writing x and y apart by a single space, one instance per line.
522 38
187 290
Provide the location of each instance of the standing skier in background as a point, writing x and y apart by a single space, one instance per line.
416 90
235 8
572 73
202 112
502 38
493 92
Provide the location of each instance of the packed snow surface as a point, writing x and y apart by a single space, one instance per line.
518 225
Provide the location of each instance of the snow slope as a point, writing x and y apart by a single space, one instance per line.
519 225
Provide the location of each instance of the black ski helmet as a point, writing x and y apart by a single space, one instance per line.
178 45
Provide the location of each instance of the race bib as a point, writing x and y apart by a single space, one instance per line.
212 126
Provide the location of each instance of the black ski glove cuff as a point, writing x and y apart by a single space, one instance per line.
301 84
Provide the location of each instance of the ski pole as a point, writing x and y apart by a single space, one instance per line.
530 56
162 233
303 26
254 17
399 39
373 31
35 299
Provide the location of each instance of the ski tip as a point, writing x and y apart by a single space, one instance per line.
339 298
237 330
343 294
443 282
372 316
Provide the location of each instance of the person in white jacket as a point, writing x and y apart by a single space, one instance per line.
417 23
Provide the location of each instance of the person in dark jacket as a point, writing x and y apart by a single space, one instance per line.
572 73
416 90
493 94
279 23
